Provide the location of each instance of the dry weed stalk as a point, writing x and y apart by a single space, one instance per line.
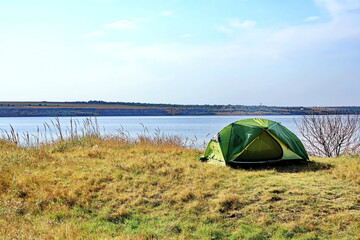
89 129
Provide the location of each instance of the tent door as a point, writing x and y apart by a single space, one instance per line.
263 148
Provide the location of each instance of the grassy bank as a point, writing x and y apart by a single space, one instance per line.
119 189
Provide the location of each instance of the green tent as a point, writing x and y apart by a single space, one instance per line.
254 141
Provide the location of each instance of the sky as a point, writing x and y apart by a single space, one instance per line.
246 52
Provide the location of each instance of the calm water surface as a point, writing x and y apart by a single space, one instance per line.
200 127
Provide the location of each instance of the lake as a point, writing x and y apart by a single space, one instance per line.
202 128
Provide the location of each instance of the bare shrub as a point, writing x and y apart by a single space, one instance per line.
330 135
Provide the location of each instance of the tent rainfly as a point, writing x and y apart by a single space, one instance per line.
254 141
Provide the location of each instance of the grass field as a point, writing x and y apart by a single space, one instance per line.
151 189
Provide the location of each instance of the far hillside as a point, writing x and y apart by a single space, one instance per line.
102 108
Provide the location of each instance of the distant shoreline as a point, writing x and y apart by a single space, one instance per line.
101 108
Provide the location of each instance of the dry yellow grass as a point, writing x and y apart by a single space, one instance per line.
114 189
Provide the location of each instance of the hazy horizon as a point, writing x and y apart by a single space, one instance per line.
259 105
287 53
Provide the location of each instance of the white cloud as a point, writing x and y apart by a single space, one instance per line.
166 13
257 45
94 34
236 23
102 1
186 35
125 24
311 18
338 7
224 29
